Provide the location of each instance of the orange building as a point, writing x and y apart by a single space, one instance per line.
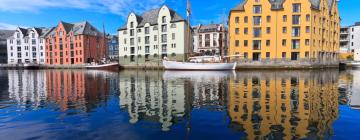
75 43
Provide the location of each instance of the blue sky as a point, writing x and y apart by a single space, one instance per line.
47 13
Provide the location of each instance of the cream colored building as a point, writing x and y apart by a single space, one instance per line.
146 39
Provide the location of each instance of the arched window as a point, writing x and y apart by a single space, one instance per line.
155 55
163 19
125 56
173 54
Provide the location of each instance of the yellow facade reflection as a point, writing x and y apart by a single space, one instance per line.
284 105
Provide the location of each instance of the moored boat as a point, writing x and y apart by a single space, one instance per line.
199 63
355 64
110 66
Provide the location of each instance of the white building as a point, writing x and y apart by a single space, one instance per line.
357 54
156 34
210 39
345 40
26 46
354 36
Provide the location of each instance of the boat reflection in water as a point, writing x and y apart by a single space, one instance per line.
68 89
273 105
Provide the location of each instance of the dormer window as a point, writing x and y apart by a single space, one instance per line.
164 19
33 35
131 24
17 35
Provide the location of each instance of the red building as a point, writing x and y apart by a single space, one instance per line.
75 43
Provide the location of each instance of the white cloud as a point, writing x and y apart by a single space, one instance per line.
6 26
119 7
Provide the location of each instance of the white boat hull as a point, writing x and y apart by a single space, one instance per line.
355 64
172 65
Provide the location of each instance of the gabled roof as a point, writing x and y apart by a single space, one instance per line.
4 34
80 28
151 17
24 31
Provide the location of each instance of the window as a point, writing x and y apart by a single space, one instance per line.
163 28
283 42
295 44
147 49
296 8
257 45
147 31
237 43
307 55
237 19
257 32
307 29
284 30
245 43
246 19
296 31
237 31
132 32
173 36
33 41
268 55
268 30
257 20
257 9
163 19
307 42
131 24
283 54
164 38
155 37
307 17
296 20
132 41
246 55
284 18
147 39
139 39
164 48
268 19
246 31
267 42
33 35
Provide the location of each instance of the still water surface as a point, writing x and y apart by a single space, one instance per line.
77 104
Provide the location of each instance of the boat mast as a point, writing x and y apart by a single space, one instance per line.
188 13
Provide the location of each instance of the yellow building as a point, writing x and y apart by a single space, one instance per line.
285 32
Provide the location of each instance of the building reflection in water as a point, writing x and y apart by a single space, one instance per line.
68 89
284 105
169 97
27 87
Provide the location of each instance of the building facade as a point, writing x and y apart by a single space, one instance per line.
156 34
75 43
354 37
27 46
345 40
210 39
113 47
285 32
4 34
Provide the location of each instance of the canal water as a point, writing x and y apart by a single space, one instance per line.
78 104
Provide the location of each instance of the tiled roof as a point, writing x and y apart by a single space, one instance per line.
4 34
26 31
80 28
278 4
151 17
